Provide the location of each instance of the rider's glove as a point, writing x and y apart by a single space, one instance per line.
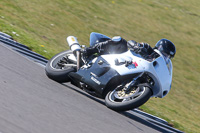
149 50
143 47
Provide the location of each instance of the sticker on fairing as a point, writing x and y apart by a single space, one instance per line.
73 40
133 65
95 80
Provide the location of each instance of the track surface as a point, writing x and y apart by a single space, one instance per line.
32 103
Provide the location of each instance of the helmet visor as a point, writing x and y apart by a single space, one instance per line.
166 56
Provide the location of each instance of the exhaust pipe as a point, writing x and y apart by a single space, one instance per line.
75 47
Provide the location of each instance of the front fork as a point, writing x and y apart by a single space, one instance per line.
134 82
78 55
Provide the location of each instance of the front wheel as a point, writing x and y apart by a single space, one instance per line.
59 66
121 100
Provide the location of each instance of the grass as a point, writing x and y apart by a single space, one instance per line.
43 25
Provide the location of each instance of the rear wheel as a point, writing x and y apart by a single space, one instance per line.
59 66
121 100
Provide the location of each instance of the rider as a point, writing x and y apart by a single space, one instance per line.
120 45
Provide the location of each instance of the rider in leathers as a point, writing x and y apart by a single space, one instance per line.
120 45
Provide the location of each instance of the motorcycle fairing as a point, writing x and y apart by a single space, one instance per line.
98 75
157 69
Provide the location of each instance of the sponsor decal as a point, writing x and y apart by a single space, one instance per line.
93 74
73 40
95 80
135 63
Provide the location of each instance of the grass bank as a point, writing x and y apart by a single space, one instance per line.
43 25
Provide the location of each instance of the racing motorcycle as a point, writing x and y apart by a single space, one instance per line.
125 80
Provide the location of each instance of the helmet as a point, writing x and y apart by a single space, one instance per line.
166 47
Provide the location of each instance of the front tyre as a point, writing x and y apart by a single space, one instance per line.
59 66
121 100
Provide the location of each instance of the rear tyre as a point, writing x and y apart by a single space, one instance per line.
118 100
59 66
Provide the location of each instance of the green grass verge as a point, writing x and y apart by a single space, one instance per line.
43 26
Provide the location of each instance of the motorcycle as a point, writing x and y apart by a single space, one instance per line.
125 80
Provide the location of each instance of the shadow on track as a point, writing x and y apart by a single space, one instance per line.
85 93
125 113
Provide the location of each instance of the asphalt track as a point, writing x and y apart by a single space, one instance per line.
32 103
